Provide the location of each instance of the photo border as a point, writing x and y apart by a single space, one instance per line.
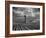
25 31
7 18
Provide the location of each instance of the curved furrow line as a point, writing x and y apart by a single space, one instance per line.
22 28
25 28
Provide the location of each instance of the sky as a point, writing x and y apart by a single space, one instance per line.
21 11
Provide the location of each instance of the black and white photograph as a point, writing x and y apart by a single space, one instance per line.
26 18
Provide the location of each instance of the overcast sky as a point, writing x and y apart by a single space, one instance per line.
26 11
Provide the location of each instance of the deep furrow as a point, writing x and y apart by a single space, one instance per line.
22 28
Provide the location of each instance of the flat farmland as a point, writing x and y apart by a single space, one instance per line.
30 23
